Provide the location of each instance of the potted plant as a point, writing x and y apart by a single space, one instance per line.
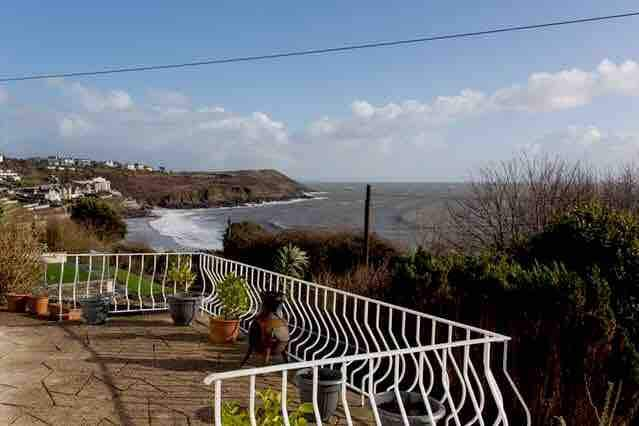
268 414
39 302
233 296
182 305
329 383
95 309
390 414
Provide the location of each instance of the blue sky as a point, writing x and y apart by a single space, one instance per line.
342 116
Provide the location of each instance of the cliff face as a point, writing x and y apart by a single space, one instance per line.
192 190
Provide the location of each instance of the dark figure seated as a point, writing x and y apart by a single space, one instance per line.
268 332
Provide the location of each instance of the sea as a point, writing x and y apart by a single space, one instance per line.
402 212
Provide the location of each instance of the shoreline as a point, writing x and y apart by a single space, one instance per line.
171 228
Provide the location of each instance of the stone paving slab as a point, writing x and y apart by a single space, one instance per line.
135 370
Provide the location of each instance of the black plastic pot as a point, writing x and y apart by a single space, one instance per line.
394 418
95 309
329 385
182 308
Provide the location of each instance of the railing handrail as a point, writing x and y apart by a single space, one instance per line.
369 299
232 374
308 283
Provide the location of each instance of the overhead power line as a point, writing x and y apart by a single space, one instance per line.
315 51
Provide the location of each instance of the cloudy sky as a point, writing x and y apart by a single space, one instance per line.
429 112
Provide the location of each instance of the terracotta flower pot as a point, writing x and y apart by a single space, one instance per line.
17 302
39 305
73 314
223 331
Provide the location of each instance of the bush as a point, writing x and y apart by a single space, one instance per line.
233 294
99 217
62 234
336 252
20 250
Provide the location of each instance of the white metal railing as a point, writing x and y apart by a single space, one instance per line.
134 282
379 347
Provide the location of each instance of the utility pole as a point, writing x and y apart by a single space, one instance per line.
367 223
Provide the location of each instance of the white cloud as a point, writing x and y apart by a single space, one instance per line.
404 138
74 126
172 98
94 100
589 143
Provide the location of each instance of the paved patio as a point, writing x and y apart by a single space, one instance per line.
135 370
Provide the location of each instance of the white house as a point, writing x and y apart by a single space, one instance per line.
1 158
7 174
93 186
110 163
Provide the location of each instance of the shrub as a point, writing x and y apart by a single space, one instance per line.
181 274
100 217
20 250
62 234
233 294
291 260
269 414
333 251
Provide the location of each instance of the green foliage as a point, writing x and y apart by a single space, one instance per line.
291 260
269 414
181 274
100 217
233 294
334 251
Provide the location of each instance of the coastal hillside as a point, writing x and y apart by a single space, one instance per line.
192 190
176 189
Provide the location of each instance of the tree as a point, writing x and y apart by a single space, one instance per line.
100 217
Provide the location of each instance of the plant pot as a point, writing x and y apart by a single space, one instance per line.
182 308
223 331
329 384
39 305
95 309
17 302
68 314
416 412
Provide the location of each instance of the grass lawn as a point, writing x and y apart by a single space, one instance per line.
69 276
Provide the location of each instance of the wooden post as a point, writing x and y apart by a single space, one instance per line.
367 220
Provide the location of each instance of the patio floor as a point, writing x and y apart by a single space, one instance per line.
134 370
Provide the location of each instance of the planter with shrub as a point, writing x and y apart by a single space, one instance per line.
95 309
329 382
233 295
182 306
390 414
39 302
20 267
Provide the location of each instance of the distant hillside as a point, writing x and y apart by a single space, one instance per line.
180 190
189 190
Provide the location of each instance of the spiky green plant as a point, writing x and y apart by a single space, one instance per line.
268 414
292 261
232 292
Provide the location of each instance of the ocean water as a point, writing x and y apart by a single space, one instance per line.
400 212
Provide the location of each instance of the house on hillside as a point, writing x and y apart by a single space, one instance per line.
1 157
93 186
83 162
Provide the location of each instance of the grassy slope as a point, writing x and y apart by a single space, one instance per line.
69 276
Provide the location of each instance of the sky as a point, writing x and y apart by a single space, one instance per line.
430 112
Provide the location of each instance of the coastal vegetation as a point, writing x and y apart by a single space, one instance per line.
541 249
99 217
